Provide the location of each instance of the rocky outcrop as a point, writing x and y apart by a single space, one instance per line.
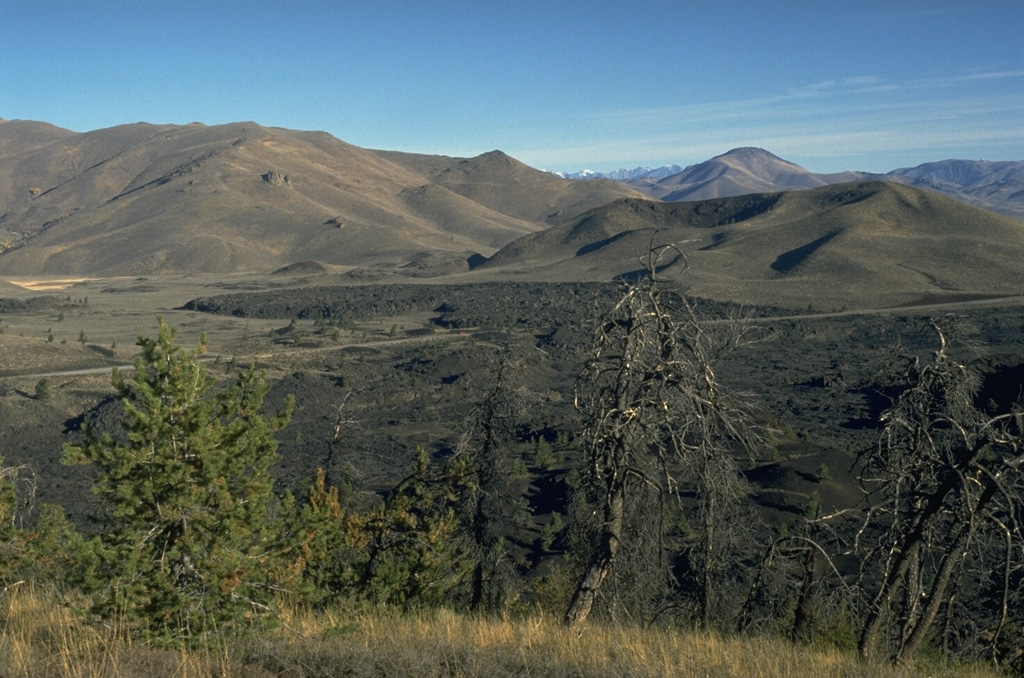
277 178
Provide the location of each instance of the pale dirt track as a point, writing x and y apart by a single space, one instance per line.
48 284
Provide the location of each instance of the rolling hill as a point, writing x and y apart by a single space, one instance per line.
855 245
141 199
995 186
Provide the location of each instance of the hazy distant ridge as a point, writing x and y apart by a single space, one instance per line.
625 174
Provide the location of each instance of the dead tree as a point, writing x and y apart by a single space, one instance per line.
655 417
945 487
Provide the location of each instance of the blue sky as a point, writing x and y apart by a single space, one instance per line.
560 85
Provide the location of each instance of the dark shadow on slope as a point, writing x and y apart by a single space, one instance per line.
788 261
639 274
476 260
717 240
1002 388
594 246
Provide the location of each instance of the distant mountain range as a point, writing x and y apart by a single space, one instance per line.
997 186
148 199
625 174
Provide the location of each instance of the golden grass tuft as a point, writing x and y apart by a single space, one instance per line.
40 637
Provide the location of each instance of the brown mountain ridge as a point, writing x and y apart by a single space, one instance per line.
737 172
141 199
148 199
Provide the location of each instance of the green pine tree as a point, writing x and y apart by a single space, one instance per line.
55 554
17 489
413 555
188 543
42 391
329 541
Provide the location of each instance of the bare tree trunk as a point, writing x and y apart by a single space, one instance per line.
912 594
707 576
940 463
601 563
477 595
906 557
908 652
801 618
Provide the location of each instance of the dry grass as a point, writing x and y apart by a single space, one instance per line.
40 638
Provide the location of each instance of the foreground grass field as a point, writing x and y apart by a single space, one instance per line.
40 638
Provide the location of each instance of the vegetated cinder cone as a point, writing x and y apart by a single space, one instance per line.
142 198
845 245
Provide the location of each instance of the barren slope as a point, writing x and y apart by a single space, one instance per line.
18 136
507 186
139 199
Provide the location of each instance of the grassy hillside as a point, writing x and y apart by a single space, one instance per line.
857 245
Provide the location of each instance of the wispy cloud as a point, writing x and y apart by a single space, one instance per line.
987 76
839 117
864 81
841 93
